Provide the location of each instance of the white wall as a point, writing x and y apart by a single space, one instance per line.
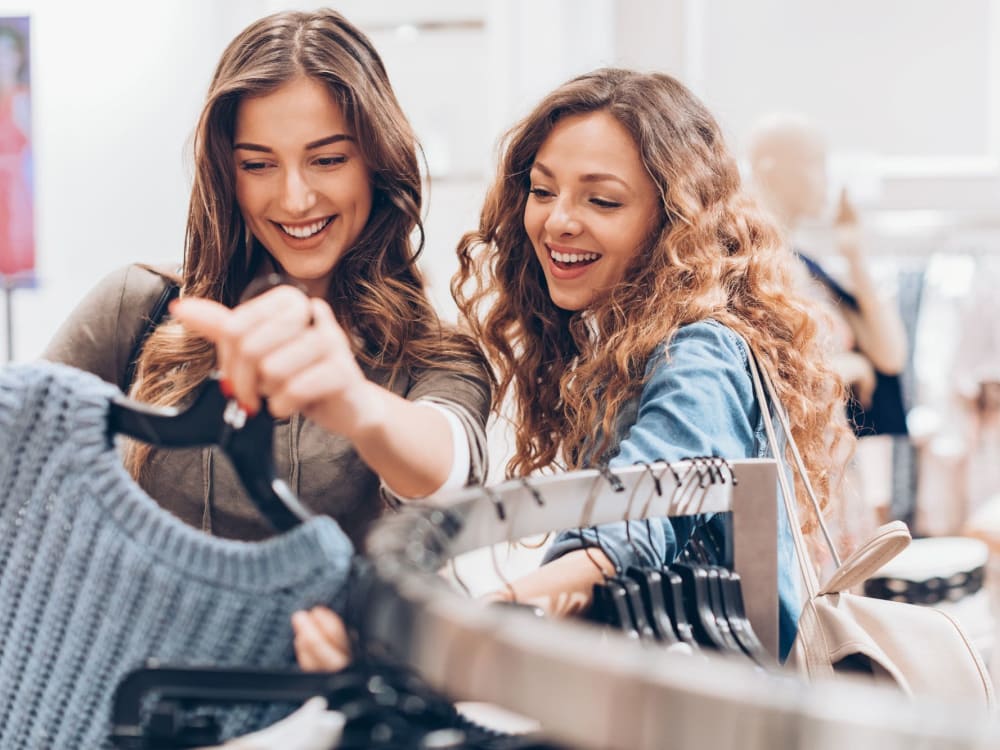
908 91
116 88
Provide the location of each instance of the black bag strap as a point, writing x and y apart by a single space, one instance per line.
169 294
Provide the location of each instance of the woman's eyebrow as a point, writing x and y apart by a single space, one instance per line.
311 145
589 177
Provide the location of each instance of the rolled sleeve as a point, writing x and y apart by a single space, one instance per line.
464 399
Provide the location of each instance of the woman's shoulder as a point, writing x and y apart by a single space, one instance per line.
707 340
132 284
100 332
141 282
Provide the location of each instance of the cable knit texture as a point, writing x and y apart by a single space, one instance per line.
96 578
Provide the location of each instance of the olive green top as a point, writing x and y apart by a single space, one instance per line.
198 484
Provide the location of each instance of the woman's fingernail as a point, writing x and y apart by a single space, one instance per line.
226 387
251 411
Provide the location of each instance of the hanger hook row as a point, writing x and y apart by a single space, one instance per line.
539 501
732 472
613 479
497 502
671 469
656 480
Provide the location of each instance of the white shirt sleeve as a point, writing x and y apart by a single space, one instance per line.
461 459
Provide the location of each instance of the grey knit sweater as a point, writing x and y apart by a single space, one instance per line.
96 578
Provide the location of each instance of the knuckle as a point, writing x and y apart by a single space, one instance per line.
270 370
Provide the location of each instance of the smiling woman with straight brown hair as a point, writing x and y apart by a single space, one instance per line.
305 165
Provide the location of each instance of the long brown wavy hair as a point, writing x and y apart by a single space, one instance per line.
377 291
711 255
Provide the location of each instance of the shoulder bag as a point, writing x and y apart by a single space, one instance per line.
921 650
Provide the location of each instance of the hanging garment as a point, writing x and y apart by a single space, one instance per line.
96 578
887 414
904 453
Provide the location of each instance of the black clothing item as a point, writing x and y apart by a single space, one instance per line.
887 413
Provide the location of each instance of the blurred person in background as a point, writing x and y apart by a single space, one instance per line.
787 156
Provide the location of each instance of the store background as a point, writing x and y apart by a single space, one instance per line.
907 92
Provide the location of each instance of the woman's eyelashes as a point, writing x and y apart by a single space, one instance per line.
322 162
605 203
543 194
254 166
330 161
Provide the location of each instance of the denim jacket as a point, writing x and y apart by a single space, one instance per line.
699 402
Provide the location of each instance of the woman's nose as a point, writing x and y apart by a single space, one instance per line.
298 196
562 220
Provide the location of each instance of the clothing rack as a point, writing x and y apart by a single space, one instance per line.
472 652
588 498
593 689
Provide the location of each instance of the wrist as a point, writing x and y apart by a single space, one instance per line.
368 412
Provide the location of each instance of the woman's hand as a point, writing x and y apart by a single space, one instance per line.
856 370
847 228
321 643
290 349
560 588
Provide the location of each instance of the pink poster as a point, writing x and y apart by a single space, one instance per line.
17 220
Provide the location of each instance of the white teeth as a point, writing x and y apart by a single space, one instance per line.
307 231
574 257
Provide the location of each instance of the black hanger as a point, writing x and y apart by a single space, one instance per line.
717 602
212 419
633 589
697 604
673 600
609 605
710 472
726 593
383 706
696 557
622 596
611 601
672 585
703 591
650 582
715 547
738 620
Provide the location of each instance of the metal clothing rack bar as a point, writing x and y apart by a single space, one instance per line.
591 689
587 498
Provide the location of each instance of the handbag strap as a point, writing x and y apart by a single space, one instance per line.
170 292
888 541
799 463
806 568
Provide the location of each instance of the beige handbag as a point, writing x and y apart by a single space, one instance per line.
921 650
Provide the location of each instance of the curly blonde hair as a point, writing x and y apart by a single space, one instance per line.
377 291
710 255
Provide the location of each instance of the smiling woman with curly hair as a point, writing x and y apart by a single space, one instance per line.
616 276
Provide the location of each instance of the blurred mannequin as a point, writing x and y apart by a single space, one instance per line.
788 168
787 156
